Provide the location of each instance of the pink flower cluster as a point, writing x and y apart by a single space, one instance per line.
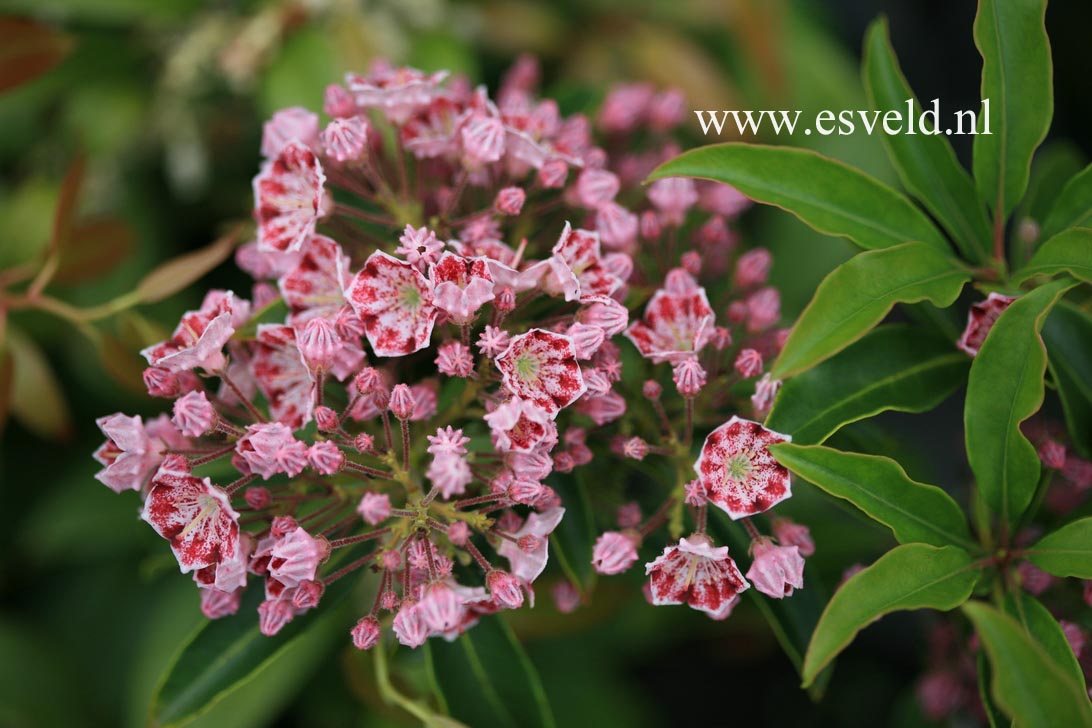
442 285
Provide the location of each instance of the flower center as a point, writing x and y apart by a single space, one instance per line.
527 366
739 467
411 297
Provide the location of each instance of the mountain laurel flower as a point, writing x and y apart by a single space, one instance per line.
636 448
1051 453
540 366
753 268
199 339
420 247
676 325
193 414
981 319
776 570
521 425
289 196
789 533
689 377
696 573
295 558
454 359
346 139
748 363
505 589
326 458
365 633
766 390
394 302
274 615
318 343
271 448
409 625
216 604
401 402
288 125
374 508
737 470
527 556
461 286
133 450
673 196
763 309
614 552
509 200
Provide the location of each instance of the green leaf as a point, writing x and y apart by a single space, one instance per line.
37 401
925 163
1017 78
487 679
895 367
1073 207
915 512
1065 552
913 576
572 540
1069 251
1039 624
1068 336
985 676
1027 684
1005 387
828 195
224 654
792 620
174 275
859 293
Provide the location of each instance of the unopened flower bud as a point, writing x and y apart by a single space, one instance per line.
689 377
636 448
652 389
505 589
1051 452
650 225
374 508
615 552
326 419
401 403
368 380
789 533
552 174
753 268
326 457
282 526
258 497
749 363
458 533
505 301
510 200
337 102
161 382
308 594
629 515
318 343
776 570
364 443
366 633
193 414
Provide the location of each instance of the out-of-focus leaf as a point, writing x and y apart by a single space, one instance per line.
1005 387
64 215
107 11
1070 251
993 715
793 620
7 377
1068 337
831 197
37 401
926 163
224 654
123 363
896 367
174 275
28 49
859 293
1065 552
95 248
1017 78
1028 685
913 576
573 538
273 312
306 63
1073 207
487 679
915 512
1040 625
1054 166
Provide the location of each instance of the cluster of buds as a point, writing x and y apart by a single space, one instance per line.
442 282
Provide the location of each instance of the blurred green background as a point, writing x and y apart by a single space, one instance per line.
165 101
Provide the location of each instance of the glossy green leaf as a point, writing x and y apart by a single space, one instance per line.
925 163
1070 251
224 654
994 719
859 293
1073 207
895 367
915 512
1065 552
1068 337
828 195
1027 684
37 401
1005 387
791 620
1017 78
571 542
913 576
175 275
1041 626
487 679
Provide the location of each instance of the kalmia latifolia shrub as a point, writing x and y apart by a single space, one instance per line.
445 287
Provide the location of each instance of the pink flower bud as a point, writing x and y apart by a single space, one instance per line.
650 225
273 615
453 359
216 604
308 594
566 597
441 608
695 494
652 389
510 200
614 552
524 491
1035 580
753 268
368 380
401 402
617 226
288 125
552 174
326 457
689 377
1051 452
564 462
391 560
326 419
318 343
193 414
629 515
258 497
691 261
673 196
338 102
605 313
346 140
596 187
482 140
776 570
282 525
789 533
374 508
505 589
295 558
1074 635
737 312
667 110
749 363
721 338
763 309
636 448
409 626
458 533
586 338
940 694
492 341
366 633
505 300
161 382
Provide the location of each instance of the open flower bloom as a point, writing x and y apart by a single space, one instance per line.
675 326
199 339
394 301
397 92
193 514
288 196
737 470
314 287
282 375
528 555
576 269
133 450
776 570
980 320
521 425
697 574
541 367
460 286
